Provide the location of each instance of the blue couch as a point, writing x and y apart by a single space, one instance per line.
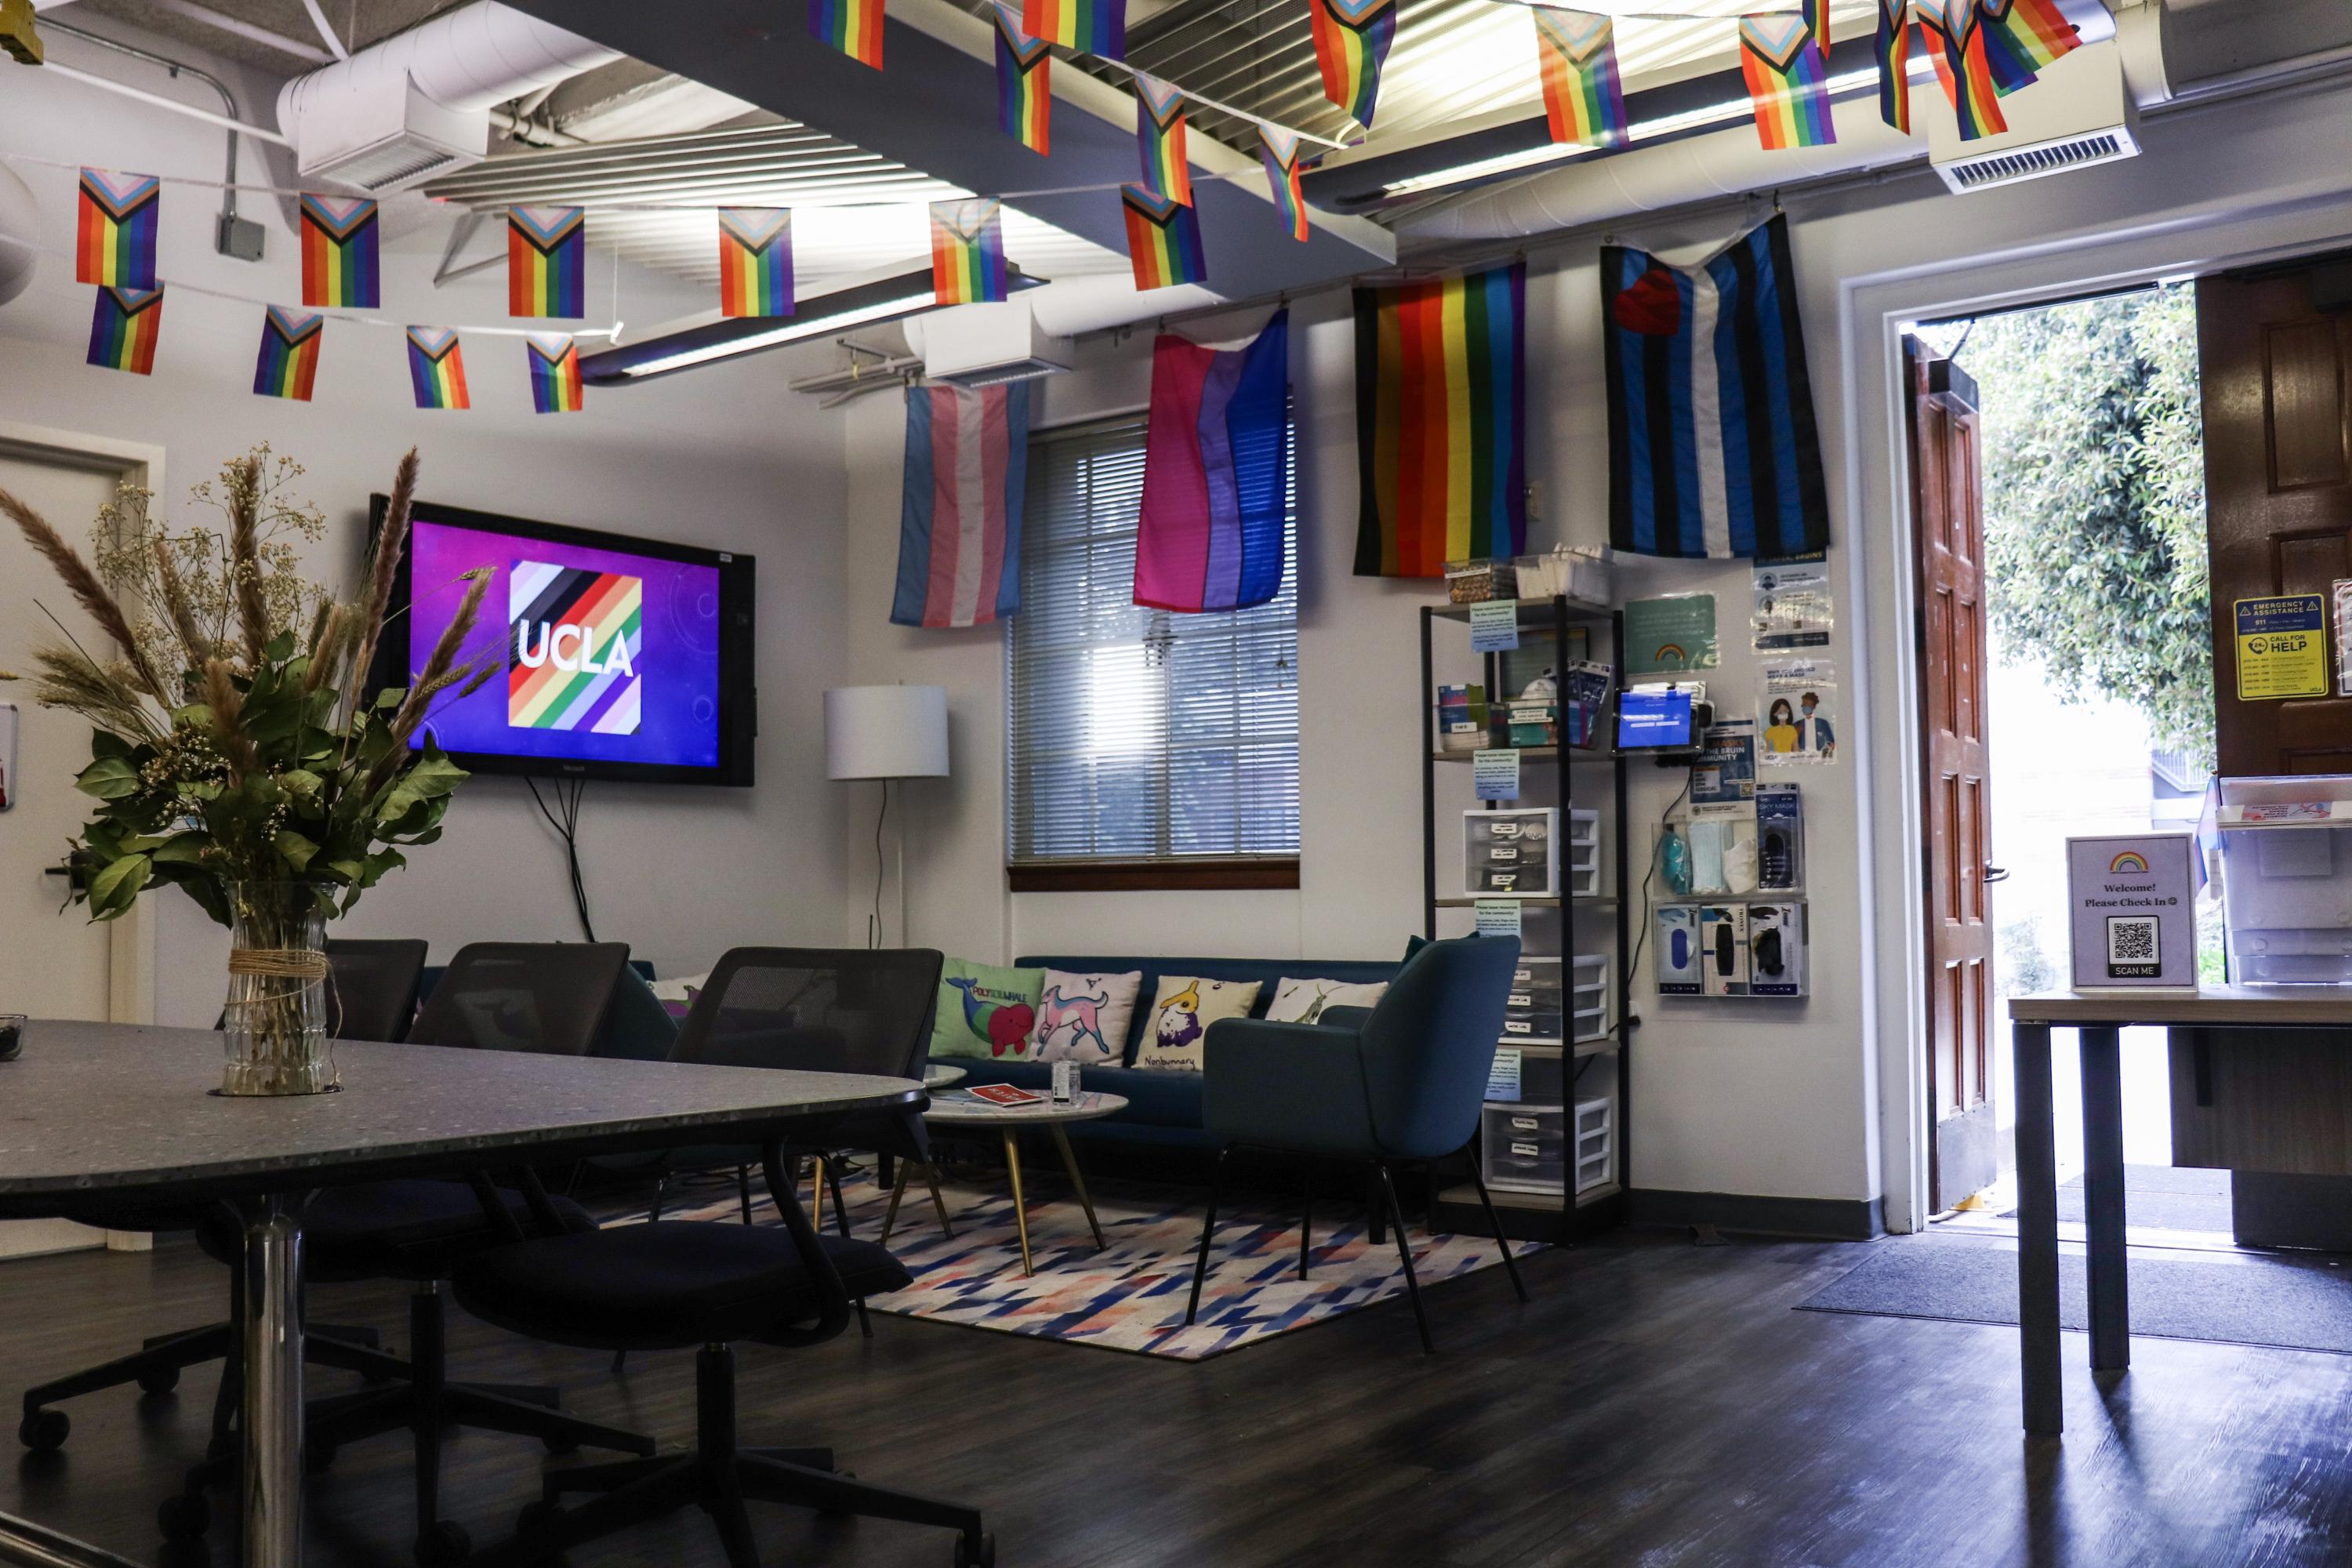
1163 1109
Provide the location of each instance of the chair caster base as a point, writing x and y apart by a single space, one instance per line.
44 1431
970 1553
443 1545
183 1517
159 1380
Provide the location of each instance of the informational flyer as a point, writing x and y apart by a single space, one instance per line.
1495 626
1793 608
1499 917
1494 773
1797 710
2282 647
1669 636
1725 770
2135 918
2341 591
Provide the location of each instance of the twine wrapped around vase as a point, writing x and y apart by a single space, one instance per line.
276 1019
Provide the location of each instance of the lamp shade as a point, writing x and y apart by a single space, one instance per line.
886 732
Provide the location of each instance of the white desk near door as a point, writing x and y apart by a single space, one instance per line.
2100 1019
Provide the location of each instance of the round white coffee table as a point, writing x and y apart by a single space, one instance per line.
939 1075
965 1116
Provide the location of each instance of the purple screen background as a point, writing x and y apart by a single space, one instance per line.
679 726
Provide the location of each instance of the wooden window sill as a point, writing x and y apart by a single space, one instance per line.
1152 876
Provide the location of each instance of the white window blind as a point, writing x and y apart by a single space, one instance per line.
1138 734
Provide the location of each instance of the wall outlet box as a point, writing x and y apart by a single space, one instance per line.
1676 968
1723 949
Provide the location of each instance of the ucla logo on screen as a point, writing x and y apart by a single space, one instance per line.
575 643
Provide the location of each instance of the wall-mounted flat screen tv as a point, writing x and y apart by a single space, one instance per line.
620 658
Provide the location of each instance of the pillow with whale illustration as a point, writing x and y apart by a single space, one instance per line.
1083 1019
986 1010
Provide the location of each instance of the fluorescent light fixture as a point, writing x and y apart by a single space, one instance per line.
776 337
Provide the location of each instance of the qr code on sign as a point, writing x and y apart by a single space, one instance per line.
2131 946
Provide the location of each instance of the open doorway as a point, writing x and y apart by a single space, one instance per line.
2079 427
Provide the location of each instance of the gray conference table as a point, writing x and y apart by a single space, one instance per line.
105 1110
2100 1018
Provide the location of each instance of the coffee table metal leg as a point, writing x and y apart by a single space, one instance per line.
1070 1163
931 1178
272 1429
1020 1205
897 1191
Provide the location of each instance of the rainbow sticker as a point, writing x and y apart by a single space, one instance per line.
575 640
2130 861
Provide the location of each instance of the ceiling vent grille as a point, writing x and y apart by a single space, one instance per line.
2007 168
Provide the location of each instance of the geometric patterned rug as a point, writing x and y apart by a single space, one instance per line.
1130 1297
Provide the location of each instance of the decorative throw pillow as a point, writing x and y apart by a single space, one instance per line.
1181 1014
1084 1017
985 1011
678 996
1302 1001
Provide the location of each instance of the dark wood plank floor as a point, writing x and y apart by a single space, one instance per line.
1658 1407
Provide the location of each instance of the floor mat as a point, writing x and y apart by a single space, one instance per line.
2162 1197
2238 1298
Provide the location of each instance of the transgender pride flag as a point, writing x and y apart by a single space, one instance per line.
960 522
575 649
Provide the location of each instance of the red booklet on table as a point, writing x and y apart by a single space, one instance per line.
1007 1095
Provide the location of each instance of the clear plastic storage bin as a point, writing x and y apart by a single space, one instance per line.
1524 1147
2286 879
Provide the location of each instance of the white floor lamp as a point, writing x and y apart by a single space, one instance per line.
886 732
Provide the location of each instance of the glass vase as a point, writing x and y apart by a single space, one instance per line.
276 1021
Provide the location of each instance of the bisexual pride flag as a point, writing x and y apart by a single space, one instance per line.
1955 42
1894 64
968 251
2022 37
1788 83
1352 41
1163 239
1089 26
555 384
340 265
755 261
853 27
114 230
1215 473
1713 450
289 362
1024 81
575 640
1278 150
123 327
1160 136
1584 97
547 261
967 478
437 369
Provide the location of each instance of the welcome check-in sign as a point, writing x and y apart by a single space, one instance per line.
2282 647
2134 921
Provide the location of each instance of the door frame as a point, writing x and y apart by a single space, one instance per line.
130 940
1874 311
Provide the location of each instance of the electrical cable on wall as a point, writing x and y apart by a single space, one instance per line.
873 920
1633 965
564 817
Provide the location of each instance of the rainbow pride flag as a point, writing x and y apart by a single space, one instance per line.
555 384
755 261
1817 18
1584 99
437 369
575 640
968 251
1440 402
1278 150
1160 135
853 27
2023 37
1164 240
547 261
1351 40
1025 82
340 265
1089 26
114 232
289 362
1955 34
123 328
1215 470
1894 64
1786 82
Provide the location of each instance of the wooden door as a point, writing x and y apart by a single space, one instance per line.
1948 528
2278 480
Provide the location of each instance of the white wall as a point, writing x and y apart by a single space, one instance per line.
724 457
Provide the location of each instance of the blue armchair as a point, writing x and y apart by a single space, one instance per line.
1400 1081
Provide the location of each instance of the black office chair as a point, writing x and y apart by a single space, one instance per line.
672 1284
372 996
549 998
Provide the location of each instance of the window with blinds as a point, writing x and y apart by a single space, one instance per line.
1134 736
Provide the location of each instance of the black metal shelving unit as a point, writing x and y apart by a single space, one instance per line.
1576 776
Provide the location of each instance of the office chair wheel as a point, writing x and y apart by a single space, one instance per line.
183 1516
967 1555
44 1430
158 1379
443 1545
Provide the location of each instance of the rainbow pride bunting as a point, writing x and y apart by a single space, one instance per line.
341 266
123 328
853 27
2021 38
1351 40
968 251
1817 18
1894 64
555 385
755 261
1440 402
1160 134
1089 26
437 369
1025 82
547 261
1786 83
1278 151
289 363
1584 99
114 239
1955 35
1164 240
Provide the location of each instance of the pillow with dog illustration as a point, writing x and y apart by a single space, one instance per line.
1181 1014
1083 1019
